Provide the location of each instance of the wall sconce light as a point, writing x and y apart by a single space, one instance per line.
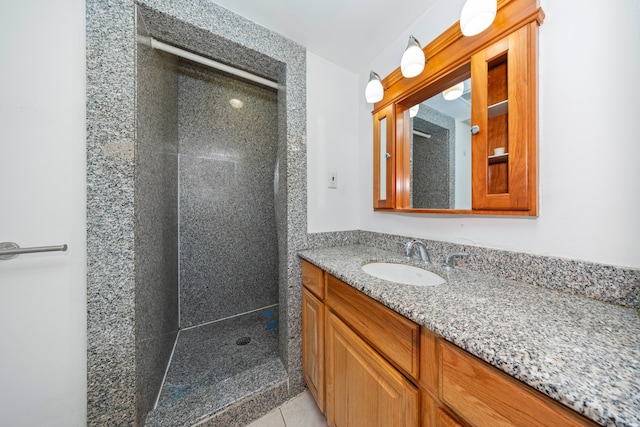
413 59
454 92
374 91
413 111
477 16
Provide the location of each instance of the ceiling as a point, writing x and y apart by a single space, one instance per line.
349 33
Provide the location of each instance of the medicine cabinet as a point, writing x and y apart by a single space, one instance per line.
476 154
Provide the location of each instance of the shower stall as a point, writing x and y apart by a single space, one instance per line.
206 155
197 319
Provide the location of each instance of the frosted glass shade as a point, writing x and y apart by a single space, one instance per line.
477 16
454 92
413 111
374 91
413 59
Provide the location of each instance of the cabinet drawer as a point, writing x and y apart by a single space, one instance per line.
391 334
313 279
483 395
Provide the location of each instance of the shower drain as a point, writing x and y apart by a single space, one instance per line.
243 341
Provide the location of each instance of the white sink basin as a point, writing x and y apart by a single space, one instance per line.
402 273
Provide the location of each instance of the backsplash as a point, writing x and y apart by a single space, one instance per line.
607 283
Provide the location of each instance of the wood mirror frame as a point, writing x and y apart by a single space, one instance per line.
451 57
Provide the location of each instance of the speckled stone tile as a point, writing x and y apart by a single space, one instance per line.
217 365
251 408
206 28
111 346
228 240
433 160
617 285
156 221
580 352
334 238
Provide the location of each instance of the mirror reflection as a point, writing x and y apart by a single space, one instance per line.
440 149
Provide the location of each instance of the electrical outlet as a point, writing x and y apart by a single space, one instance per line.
333 179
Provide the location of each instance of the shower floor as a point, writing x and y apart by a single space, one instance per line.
218 364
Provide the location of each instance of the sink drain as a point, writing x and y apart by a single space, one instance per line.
243 341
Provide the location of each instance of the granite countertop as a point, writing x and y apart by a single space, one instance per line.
580 352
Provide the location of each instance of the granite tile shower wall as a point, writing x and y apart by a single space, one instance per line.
156 220
228 240
430 169
115 360
433 160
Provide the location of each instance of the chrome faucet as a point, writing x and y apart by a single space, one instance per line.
448 263
422 249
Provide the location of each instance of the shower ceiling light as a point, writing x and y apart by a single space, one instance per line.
374 91
413 111
236 103
454 92
413 59
477 16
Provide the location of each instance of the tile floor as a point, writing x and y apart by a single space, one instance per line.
301 411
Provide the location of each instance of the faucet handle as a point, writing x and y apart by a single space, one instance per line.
407 247
448 263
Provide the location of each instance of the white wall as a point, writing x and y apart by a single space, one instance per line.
42 202
589 148
332 144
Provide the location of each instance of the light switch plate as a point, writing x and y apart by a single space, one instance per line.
333 178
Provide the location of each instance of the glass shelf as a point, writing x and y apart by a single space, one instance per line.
499 108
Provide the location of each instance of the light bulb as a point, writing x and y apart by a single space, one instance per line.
413 59
374 91
477 16
454 92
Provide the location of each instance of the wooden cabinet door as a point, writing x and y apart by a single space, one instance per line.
313 345
363 389
384 158
503 106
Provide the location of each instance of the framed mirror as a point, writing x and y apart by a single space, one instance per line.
465 137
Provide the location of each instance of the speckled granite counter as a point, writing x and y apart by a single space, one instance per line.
580 352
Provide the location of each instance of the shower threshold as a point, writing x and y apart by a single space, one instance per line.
219 365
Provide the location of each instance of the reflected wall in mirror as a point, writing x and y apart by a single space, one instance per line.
440 150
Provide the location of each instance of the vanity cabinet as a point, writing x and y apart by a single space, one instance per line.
357 371
368 348
313 331
363 388
394 336
374 367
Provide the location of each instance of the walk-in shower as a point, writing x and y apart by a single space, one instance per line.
196 209
206 153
